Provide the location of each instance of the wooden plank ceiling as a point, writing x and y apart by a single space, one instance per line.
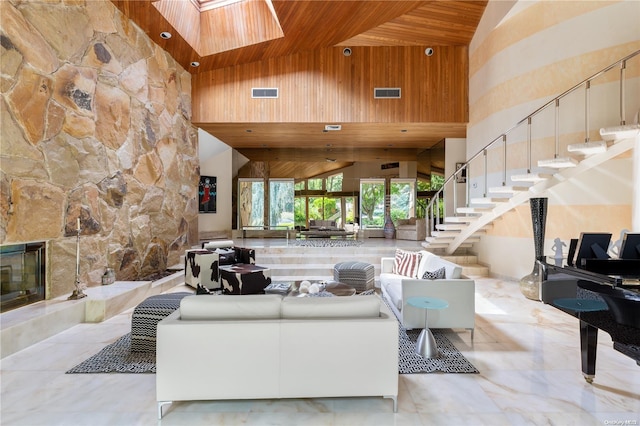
311 25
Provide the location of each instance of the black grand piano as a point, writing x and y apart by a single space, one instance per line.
590 278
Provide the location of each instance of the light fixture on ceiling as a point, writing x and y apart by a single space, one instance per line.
248 130
330 160
428 51
333 127
404 130
165 35
346 51
195 64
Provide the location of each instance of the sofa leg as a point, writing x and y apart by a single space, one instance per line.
395 401
471 330
160 405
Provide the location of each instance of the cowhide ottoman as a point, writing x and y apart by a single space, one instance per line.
244 278
359 275
201 268
145 318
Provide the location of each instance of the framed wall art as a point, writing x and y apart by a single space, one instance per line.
462 176
207 194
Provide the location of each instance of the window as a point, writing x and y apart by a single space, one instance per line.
316 208
349 209
251 203
281 203
300 186
334 183
314 184
403 197
372 203
300 211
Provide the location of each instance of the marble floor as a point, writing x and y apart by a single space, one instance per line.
527 353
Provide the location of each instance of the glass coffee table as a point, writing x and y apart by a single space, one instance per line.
426 344
334 287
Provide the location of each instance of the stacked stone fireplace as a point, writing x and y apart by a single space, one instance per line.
96 128
22 274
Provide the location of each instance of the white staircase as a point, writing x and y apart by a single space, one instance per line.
469 223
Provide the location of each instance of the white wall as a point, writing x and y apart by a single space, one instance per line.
216 159
455 150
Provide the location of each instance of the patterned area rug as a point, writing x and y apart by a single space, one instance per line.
326 242
449 361
117 358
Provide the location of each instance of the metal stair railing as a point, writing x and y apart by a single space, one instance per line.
433 208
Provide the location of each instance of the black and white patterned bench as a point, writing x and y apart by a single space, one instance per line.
145 318
359 275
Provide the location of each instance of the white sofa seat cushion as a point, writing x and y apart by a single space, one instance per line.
230 307
331 307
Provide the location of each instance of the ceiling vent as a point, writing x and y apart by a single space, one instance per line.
386 93
270 93
333 127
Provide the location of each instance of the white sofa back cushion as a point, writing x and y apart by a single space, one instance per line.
212 245
331 307
231 307
431 262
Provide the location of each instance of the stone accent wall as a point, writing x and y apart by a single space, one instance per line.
96 125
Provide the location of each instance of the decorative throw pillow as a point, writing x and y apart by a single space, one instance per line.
406 263
438 274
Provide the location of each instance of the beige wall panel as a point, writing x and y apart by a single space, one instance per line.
565 222
537 17
549 81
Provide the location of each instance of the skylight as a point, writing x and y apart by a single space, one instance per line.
214 26
204 5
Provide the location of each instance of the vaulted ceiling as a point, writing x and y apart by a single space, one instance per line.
238 33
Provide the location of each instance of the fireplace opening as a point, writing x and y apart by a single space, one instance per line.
22 274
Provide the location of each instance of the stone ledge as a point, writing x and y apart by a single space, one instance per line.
23 327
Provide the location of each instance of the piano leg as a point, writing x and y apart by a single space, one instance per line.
588 345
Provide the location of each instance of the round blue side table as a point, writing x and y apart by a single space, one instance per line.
426 345
581 305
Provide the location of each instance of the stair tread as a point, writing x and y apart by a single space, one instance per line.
558 163
531 177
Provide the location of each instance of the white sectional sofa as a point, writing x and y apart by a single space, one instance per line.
454 288
270 346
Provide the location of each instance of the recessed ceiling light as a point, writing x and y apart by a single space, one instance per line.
195 64
248 130
346 51
404 130
331 160
328 143
165 35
